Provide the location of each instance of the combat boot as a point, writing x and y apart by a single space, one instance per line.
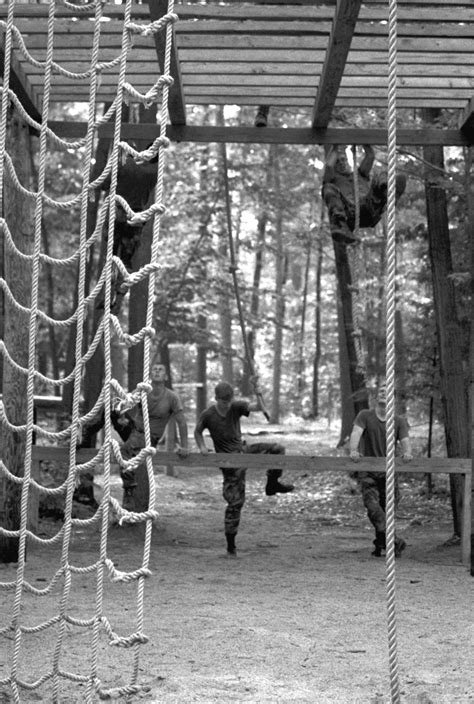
128 502
274 486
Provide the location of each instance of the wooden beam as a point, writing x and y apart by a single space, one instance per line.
316 463
340 40
270 135
176 104
301 463
467 121
19 84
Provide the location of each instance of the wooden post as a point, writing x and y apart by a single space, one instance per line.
170 444
466 520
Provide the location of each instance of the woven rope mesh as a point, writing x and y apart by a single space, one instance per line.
34 268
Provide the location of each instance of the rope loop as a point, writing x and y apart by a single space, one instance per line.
147 30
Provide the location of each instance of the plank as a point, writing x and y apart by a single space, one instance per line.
255 56
434 465
270 135
288 43
433 11
20 84
335 60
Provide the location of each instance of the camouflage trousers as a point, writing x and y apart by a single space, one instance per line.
373 488
233 489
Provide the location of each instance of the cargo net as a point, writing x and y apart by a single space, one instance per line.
29 611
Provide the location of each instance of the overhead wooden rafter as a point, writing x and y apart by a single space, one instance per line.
310 57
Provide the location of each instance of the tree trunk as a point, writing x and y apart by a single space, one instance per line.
317 331
201 366
247 388
300 375
226 289
137 307
280 301
454 396
18 213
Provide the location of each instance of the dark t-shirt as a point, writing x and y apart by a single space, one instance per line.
225 431
373 441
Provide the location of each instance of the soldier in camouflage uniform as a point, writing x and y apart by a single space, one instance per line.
222 419
338 193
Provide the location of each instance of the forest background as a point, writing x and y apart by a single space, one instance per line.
286 271
288 279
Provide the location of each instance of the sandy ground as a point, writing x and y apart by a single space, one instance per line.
299 616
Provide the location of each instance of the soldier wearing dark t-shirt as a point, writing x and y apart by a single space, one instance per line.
368 438
163 404
222 420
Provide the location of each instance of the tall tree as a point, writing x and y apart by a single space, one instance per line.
281 267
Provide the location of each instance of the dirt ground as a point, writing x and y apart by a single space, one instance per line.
299 616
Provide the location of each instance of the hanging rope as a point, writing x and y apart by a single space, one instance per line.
233 270
356 269
390 358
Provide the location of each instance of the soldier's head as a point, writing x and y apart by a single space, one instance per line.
158 372
224 393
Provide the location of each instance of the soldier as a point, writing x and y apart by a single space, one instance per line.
163 404
368 438
338 193
222 419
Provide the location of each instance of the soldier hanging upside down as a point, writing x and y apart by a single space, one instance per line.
338 193
135 183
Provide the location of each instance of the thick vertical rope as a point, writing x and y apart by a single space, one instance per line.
32 336
390 355
159 189
93 673
78 370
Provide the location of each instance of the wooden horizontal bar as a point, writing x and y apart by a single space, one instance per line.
419 465
269 135
373 10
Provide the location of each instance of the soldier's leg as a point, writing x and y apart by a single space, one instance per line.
233 491
273 485
262 116
374 204
375 512
400 544
130 449
339 215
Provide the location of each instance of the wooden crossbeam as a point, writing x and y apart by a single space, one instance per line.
270 135
303 463
20 84
300 463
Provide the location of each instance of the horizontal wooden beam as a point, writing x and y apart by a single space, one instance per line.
374 11
269 135
314 463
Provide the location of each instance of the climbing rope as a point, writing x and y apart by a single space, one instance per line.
390 354
104 567
233 268
356 272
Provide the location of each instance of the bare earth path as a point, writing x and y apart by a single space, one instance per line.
299 616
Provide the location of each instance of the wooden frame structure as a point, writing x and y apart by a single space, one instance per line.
303 463
307 56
